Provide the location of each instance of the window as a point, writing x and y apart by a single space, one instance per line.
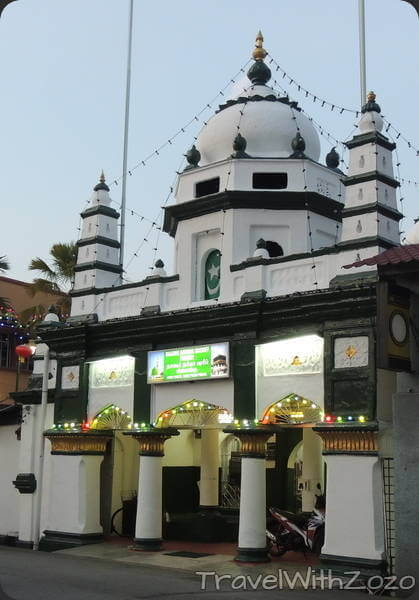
5 351
274 249
212 275
107 227
270 181
362 161
89 229
210 186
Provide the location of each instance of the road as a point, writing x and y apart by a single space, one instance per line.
28 575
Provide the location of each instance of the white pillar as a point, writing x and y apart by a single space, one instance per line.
354 510
252 519
73 516
148 527
312 468
210 463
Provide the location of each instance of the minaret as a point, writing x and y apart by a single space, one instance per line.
98 250
370 217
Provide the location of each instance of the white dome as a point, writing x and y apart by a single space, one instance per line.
268 127
412 236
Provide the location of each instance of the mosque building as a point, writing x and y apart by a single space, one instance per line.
257 373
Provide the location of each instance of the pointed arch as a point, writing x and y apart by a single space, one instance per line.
111 417
293 409
194 414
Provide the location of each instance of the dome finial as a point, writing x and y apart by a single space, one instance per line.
259 53
259 73
101 185
298 144
371 105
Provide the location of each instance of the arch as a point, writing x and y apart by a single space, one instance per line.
292 410
212 275
194 414
111 417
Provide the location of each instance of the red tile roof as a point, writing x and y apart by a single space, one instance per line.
394 256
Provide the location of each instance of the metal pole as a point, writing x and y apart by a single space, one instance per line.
362 54
126 129
39 467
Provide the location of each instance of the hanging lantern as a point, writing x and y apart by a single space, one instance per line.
24 351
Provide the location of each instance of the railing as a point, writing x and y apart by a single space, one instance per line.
388 480
230 495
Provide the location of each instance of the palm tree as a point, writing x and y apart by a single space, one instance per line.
4 266
56 277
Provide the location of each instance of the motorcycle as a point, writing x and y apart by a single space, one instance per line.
297 532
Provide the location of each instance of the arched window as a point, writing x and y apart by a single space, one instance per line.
362 161
212 275
274 249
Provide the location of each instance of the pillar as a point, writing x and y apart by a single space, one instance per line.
252 519
148 525
210 463
312 468
354 500
74 503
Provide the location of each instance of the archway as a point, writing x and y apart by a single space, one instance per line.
194 414
292 409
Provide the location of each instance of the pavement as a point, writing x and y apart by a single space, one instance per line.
102 571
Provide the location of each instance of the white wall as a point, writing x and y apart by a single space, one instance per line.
9 496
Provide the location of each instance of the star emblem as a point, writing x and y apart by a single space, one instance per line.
71 376
214 272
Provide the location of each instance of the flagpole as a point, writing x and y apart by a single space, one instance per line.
126 132
362 54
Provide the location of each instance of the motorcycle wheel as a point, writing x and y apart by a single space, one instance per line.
274 549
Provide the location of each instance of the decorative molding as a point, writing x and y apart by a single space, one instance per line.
232 199
349 441
99 265
354 211
370 138
98 239
100 210
78 443
370 176
151 442
253 442
106 290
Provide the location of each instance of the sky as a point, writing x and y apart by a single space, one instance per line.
62 68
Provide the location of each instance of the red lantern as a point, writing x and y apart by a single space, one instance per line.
24 351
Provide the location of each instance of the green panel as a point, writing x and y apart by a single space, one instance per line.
244 374
71 405
142 390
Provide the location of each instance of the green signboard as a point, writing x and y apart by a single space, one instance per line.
184 364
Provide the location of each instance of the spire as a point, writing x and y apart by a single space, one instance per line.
101 185
259 73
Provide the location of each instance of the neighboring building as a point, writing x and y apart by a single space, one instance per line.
259 336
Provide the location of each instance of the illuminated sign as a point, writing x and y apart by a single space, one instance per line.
185 364
294 356
112 372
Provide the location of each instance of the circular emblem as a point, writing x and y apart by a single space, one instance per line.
399 329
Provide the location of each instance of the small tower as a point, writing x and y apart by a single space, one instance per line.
370 217
98 250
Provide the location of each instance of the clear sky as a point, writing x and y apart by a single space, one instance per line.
62 68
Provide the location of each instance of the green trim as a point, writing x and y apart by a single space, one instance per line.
100 210
142 390
252 555
370 176
370 138
244 379
71 405
98 239
148 281
52 541
256 199
98 265
354 211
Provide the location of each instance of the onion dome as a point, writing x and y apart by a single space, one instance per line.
239 147
193 157
267 121
371 120
333 159
261 250
412 236
101 185
298 145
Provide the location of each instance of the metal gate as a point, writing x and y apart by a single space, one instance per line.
388 479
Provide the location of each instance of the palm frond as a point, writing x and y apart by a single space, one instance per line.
38 264
43 285
4 263
64 260
5 302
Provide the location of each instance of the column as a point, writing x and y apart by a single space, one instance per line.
74 503
210 463
148 526
312 468
354 500
252 519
